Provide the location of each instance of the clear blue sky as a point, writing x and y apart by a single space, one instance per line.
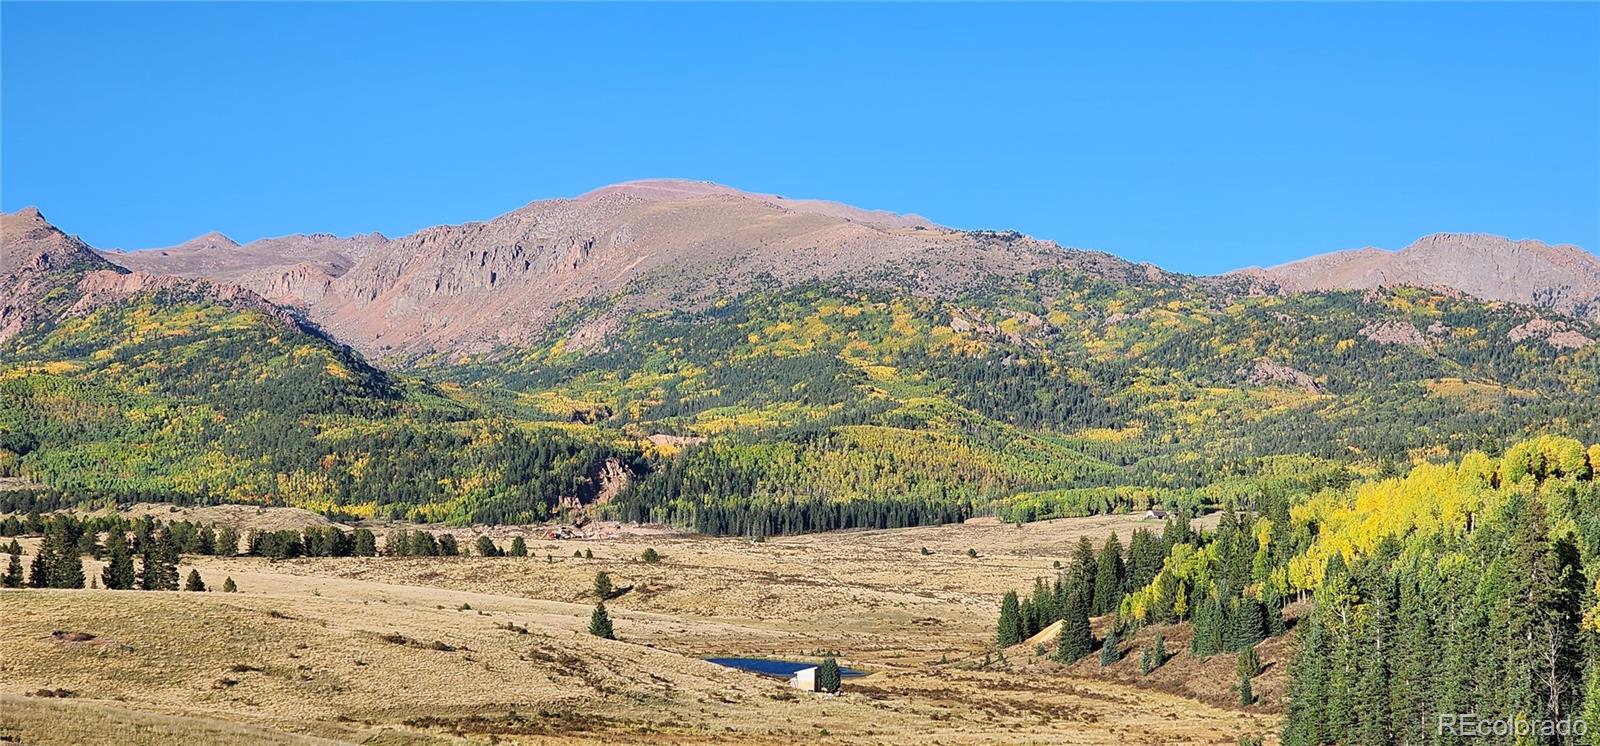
1198 137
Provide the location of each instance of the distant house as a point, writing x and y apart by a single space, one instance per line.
1155 514
805 678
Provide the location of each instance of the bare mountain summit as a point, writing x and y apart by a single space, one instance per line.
1562 278
638 246
46 274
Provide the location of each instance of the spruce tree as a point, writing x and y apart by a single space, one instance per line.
1247 625
1009 631
486 547
13 548
519 547
193 582
366 543
61 565
602 586
118 574
1085 566
228 586
1160 653
13 576
1074 640
39 570
1208 620
1272 608
600 622
1248 663
828 675
1144 661
1247 697
160 565
1109 575
1110 650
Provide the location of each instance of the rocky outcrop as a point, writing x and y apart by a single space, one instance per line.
39 269
1554 332
47 274
1265 372
1561 278
1395 333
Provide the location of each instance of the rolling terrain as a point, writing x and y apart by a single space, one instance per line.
843 431
495 647
730 362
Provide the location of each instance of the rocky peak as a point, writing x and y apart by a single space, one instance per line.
1562 277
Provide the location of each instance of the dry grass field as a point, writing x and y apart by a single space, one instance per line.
495 650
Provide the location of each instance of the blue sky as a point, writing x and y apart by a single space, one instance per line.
1198 137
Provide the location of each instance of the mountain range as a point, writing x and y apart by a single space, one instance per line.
672 244
735 362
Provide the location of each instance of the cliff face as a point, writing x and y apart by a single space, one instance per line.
638 247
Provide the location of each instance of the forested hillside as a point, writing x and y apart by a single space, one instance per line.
1464 588
1085 385
180 399
834 406
124 387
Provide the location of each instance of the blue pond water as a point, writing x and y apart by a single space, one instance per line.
773 667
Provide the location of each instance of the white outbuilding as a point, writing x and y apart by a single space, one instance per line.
805 678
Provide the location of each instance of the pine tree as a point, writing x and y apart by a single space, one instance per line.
1009 630
1208 620
486 547
366 543
828 675
228 586
13 548
650 556
600 623
1272 608
193 582
13 576
1110 573
1249 664
58 557
119 573
519 547
1074 640
1246 626
160 564
39 570
1110 652
1539 616
1085 566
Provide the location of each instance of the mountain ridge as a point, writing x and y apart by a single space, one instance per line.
585 264
1560 277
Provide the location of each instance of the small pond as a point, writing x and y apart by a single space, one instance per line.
774 667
